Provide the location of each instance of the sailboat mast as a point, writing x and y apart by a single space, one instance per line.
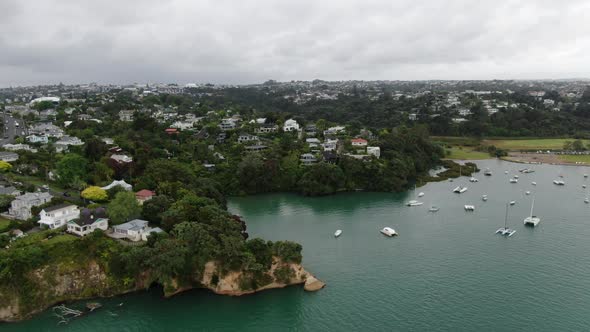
532 206
506 217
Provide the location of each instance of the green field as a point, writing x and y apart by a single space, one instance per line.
530 144
4 223
466 153
575 158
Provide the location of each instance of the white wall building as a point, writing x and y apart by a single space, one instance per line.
291 125
58 215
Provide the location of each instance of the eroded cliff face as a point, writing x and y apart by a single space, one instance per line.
59 283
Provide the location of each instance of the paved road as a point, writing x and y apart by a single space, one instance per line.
10 130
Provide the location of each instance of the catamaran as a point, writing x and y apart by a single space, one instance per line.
338 233
414 203
460 189
433 208
473 180
559 182
420 194
514 180
532 220
469 208
388 231
484 197
505 230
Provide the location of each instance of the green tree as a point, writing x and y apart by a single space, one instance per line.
123 207
72 170
321 179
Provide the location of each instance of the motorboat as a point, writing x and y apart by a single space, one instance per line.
505 172
414 203
473 180
505 231
487 172
484 197
559 182
388 231
527 192
469 208
420 194
586 200
433 209
338 233
515 176
512 202
460 190
514 180
584 186
585 175
532 220
534 183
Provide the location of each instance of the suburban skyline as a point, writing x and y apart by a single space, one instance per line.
248 42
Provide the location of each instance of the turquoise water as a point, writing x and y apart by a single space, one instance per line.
446 271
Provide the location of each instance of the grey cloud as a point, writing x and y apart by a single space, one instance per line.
247 41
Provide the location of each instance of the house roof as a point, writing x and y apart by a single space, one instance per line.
144 193
58 207
358 140
135 225
86 221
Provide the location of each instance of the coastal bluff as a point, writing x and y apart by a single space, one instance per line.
58 284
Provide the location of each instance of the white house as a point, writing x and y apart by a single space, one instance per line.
247 138
8 156
359 142
88 221
37 139
58 215
121 183
374 151
19 147
134 230
69 140
83 227
20 207
291 125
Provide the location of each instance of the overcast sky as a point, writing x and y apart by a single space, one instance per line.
243 41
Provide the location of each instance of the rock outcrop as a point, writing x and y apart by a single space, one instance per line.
313 284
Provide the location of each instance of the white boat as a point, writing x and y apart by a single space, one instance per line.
433 209
505 231
514 180
487 172
414 203
460 190
516 176
469 208
338 233
421 194
584 186
532 220
585 175
559 182
512 202
586 200
388 231
527 192
473 180
534 183
484 197
505 172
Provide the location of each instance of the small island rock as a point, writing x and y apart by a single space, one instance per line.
313 284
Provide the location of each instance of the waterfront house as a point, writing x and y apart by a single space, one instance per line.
88 221
308 159
20 207
134 230
58 215
144 195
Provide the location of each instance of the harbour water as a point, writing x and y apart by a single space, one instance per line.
445 271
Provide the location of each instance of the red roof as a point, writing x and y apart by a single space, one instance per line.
358 140
171 130
145 193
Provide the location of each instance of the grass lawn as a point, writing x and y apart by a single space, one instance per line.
530 144
575 158
466 153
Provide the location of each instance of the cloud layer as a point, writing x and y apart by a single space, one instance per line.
248 41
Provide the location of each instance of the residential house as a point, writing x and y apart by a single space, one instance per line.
334 130
108 141
69 140
464 112
58 215
291 125
121 158
88 222
311 130
8 156
12 191
221 138
228 124
134 230
308 159
121 183
37 139
171 131
358 142
17 147
330 145
126 115
255 148
247 138
144 195
202 134
330 157
47 130
20 207
267 128
374 151
182 125
413 117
